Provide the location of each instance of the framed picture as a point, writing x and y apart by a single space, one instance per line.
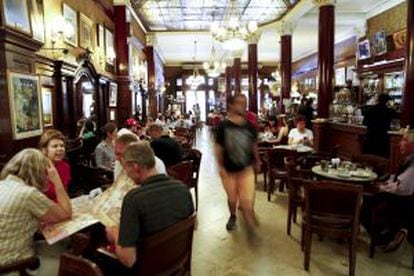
380 43
109 47
113 94
16 15
25 105
37 19
100 34
71 21
47 106
86 38
399 39
340 76
112 116
364 50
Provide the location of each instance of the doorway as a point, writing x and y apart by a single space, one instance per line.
193 97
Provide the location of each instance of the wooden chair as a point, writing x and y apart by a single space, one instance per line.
195 157
181 131
183 171
31 263
168 252
71 265
379 164
276 168
331 209
263 168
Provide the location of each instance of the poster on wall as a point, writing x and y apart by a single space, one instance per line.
47 106
113 94
340 76
380 43
71 21
86 40
364 50
25 105
16 15
109 47
37 19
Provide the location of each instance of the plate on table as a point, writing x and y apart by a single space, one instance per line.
360 174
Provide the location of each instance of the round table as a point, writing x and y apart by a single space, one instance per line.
297 148
357 176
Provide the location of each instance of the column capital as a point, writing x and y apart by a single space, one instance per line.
253 38
286 28
321 3
237 53
150 39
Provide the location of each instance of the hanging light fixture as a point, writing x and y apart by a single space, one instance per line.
213 67
231 33
195 79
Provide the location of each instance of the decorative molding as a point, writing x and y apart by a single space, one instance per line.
150 39
321 3
254 38
237 53
286 28
383 7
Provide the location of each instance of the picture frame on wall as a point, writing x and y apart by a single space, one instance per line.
86 36
37 18
100 33
109 47
112 115
25 105
71 21
47 106
380 43
16 15
113 94
364 49
399 39
340 76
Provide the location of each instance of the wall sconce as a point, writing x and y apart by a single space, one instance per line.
59 31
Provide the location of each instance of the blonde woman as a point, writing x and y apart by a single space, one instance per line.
23 204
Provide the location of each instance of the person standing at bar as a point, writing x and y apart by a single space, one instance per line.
236 151
378 120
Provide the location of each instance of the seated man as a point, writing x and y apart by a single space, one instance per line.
165 147
389 214
300 134
158 203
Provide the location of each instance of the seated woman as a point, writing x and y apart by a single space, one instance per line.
104 152
301 135
52 144
23 205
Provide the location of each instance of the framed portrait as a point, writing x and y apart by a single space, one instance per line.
71 21
109 47
113 94
38 20
380 43
25 105
47 106
364 50
399 39
100 34
86 36
16 15
340 76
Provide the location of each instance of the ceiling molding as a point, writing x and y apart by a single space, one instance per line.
135 16
382 7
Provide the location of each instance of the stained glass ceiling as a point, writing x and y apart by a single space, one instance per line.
195 15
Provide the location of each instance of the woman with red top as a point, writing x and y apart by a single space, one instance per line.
52 144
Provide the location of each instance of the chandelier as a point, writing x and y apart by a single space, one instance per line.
213 67
231 33
195 79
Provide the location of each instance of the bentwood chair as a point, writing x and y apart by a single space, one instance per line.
168 252
31 263
71 265
331 209
195 158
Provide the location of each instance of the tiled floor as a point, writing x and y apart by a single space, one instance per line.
217 252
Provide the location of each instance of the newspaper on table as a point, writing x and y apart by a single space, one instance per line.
105 208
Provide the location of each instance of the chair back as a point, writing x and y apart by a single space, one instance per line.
168 252
21 266
183 171
195 157
329 199
379 164
181 131
71 265
276 157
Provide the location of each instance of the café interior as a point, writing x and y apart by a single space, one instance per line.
328 91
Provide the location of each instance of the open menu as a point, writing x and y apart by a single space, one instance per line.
105 208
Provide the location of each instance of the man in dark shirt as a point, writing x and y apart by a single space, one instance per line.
165 147
236 149
378 120
158 202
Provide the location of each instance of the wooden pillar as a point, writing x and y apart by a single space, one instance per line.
59 98
286 65
228 77
408 96
252 75
237 75
152 97
325 55
124 102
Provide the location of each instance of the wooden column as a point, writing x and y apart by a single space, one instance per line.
237 75
286 65
408 96
124 102
152 97
325 55
252 75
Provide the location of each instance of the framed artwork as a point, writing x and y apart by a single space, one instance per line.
340 76
25 105
109 47
100 34
71 21
364 50
380 43
16 15
399 39
112 116
113 94
37 19
47 106
86 38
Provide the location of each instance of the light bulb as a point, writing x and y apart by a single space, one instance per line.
252 26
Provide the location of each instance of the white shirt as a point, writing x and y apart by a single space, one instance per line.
299 136
159 167
404 185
